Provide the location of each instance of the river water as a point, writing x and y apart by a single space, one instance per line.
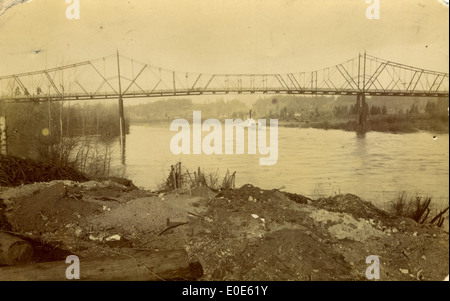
375 166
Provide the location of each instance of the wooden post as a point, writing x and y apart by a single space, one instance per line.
173 177
3 149
179 175
142 266
14 250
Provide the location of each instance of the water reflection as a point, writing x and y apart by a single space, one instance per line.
361 134
123 148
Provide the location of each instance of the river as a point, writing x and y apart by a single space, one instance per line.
375 166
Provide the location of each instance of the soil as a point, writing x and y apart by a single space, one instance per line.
241 234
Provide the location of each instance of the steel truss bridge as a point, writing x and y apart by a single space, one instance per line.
119 77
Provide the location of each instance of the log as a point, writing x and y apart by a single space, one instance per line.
142 266
14 250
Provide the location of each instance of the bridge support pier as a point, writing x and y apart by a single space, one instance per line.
121 119
122 130
121 115
362 109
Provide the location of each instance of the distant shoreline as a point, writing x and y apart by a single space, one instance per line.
382 123
389 123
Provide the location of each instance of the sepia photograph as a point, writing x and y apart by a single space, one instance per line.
205 141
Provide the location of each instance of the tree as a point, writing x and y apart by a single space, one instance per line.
283 112
414 109
373 110
431 108
384 110
340 111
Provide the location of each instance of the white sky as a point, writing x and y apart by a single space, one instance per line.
225 36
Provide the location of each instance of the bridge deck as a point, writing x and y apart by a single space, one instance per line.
104 79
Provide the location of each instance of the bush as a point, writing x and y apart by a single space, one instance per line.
187 180
16 171
80 153
416 208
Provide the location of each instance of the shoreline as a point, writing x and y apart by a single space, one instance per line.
393 125
396 124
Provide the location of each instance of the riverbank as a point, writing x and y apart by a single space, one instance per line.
379 123
242 234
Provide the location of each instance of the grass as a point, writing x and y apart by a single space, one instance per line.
80 153
417 208
188 180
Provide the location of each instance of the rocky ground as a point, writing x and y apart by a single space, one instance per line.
241 234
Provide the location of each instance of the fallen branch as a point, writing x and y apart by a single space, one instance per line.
173 225
439 215
196 215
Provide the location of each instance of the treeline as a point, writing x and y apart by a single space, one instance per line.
61 119
313 107
59 133
289 106
170 109
340 111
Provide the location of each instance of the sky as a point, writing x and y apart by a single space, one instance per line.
224 36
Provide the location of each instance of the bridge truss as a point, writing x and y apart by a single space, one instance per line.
119 77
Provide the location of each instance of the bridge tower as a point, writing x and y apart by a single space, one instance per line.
361 105
121 114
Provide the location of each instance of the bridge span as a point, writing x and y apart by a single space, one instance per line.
120 77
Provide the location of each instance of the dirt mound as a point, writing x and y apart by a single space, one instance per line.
140 216
287 254
351 204
49 210
16 171
249 192
250 233
122 181
203 192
